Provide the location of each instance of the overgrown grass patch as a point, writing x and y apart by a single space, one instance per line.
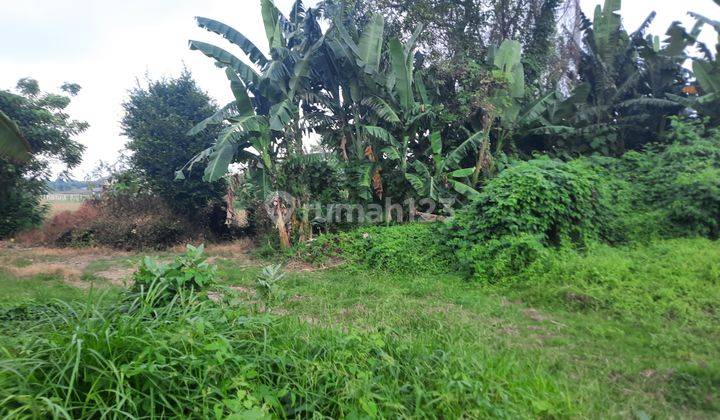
41 288
404 249
663 281
353 341
195 357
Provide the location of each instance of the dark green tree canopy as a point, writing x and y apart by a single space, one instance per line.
156 121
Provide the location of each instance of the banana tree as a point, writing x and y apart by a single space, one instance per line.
622 91
704 95
444 177
390 105
352 72
377 102
263 122
402 102
13 145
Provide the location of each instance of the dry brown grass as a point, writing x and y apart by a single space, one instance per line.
236 249
57 207
61 270
117 276
71 272
303 266
68 264
41 251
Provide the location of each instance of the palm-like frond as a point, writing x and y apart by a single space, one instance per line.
640 31
370 47
226 59
271 20
13 145
381 108
297 12
648 103
403 74
224 113
455 157
235 37
281 114
380 134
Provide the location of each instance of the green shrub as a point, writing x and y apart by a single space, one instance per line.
680 182
541 202
163 282
411 248
555 200
268 283
629 220
504 257
695 206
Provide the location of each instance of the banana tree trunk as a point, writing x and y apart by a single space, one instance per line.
283 234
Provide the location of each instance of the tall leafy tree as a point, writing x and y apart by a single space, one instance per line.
156 120
456 28
50 133
458 37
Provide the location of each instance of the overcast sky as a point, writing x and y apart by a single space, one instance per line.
105 46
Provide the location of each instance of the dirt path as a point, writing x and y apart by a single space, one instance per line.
85 267
74 266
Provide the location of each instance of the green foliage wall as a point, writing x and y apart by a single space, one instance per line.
671 189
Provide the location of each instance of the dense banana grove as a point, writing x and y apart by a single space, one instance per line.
377 112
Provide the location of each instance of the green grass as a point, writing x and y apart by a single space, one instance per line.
39 288
612 333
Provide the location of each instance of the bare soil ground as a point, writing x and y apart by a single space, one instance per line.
86 267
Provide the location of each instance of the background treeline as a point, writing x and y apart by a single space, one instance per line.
407 106
366 101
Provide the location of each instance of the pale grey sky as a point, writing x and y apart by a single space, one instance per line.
105 45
